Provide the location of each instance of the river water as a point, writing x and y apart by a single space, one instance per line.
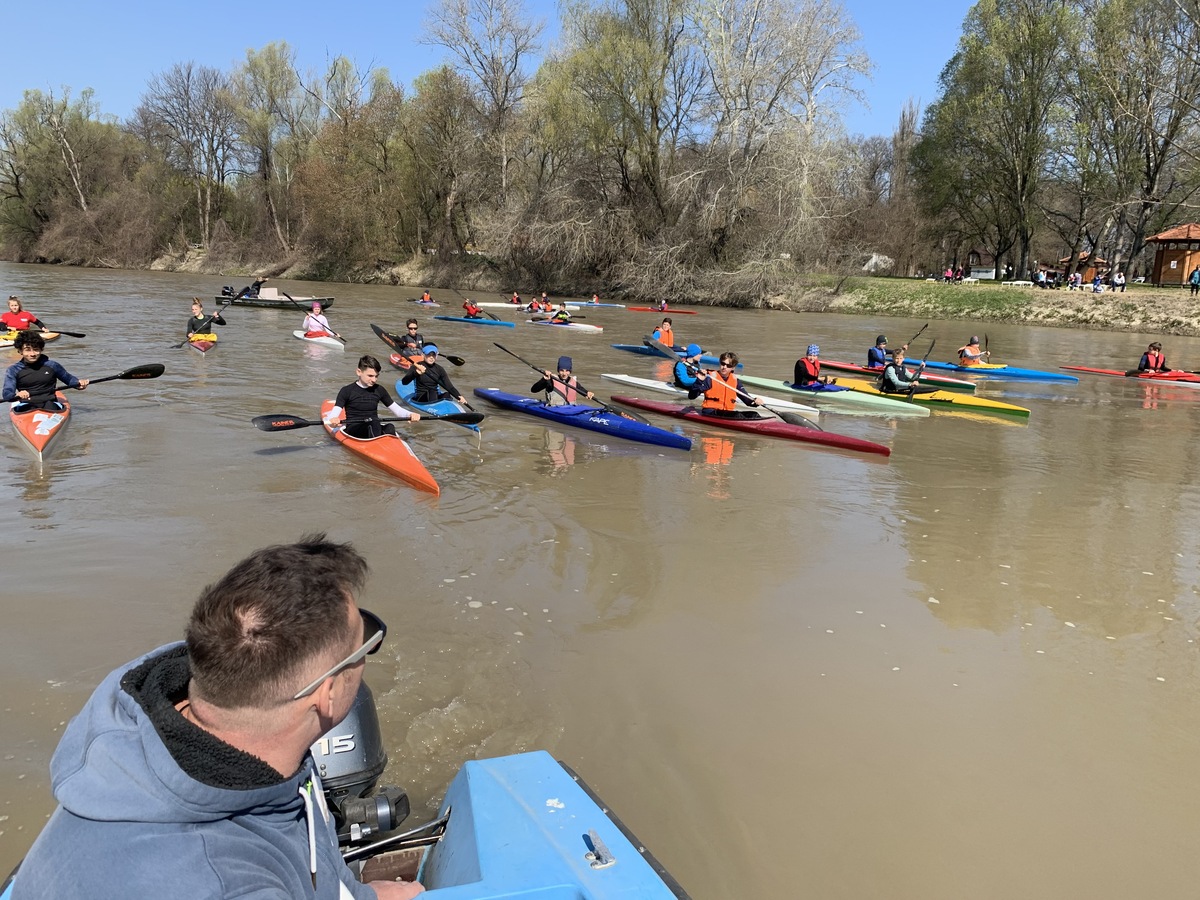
964 671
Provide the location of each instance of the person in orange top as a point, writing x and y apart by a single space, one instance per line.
722 390
425 298
1153 359
970 355
665 334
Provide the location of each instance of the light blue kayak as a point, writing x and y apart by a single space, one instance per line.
644 350
999 372
438 408
476 321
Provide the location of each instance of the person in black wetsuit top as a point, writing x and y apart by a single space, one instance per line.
32 381
431 379
361 401
199 322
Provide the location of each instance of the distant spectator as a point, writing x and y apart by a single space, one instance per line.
1098 283
1194 281
1119 282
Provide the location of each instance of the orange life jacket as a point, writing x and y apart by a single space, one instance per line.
425 298
666 335
718 397
964 360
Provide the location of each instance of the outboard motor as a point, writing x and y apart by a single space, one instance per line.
228 291
350 758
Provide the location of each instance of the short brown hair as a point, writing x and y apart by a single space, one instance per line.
252 634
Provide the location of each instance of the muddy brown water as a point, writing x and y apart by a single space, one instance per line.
965 671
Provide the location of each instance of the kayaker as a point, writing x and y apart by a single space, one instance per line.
807 371
563 390
662 305
425 297
515 299
189 767
687 372
595 301
432 382
970 355
877 356
411 341
33 380
472 310
562 314
17 319
665 334
722 390
361 400
535 305
1153 359
896 379
198 324
315 324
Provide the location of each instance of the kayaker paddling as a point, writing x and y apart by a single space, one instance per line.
33 380
970 355
722 390
432 382
562 314
199 323
472 311
360 401
316 325
896 380
18 318
1153 359
410 343
687 372
877 356
563 390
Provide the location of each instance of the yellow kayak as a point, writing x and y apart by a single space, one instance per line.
8 337
948 401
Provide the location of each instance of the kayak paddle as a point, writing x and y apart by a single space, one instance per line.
579 387
150 370
790 418
287 423
298 306
394 342
224 306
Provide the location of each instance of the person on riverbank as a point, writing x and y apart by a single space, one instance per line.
895 379
18 318
687 372
199 323
1118 283
315 324
1097 284
1153 359
665 333
188 773
807 371
411 342
432 382
33 380
877 356
722 390
970 355
562 390
360 401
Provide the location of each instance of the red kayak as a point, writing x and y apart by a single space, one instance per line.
665 312
769 426
38 428
389 452
1175 376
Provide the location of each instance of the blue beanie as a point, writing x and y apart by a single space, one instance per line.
429 348
813 350
564 362
692 350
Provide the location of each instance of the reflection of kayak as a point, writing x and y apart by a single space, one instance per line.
589 417
389 452
666 387
8 337
324 340
476 321
646 350
770 427
943 381
839 398
38 428
438 408
947 401
665 312
988 370
1175 376
574 326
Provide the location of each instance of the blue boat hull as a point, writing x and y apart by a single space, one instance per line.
476 321
439 408
1006 372
644 350
588 417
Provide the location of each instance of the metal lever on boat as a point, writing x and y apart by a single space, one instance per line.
599 856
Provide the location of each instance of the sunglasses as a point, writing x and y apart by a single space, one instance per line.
373 634
413 327
726 365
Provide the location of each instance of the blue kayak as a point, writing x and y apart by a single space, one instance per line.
476 321
644 350
437 408
999 372
589 417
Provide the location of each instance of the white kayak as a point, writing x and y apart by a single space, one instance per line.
666 387
325 340
571 304
573 326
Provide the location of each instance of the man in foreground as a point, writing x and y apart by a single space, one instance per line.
188 773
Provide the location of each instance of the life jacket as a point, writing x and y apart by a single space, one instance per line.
547 306
1155 361
666 335
425 298
533 306
964 360
811 368
564 394
721 398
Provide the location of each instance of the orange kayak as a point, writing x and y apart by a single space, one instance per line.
389 452
40 427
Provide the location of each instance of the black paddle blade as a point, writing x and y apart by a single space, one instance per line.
150 370
794 419
387 337
281 423
456 360
467 418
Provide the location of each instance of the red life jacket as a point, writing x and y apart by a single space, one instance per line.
811 367
1155 361
567 391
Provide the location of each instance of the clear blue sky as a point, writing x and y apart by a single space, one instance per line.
116 48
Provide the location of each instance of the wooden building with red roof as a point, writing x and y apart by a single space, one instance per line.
1176 254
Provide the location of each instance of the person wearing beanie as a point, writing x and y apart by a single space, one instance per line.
877 356
432 382
562 389
316 325
808 369
687 372
361 400
969 353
